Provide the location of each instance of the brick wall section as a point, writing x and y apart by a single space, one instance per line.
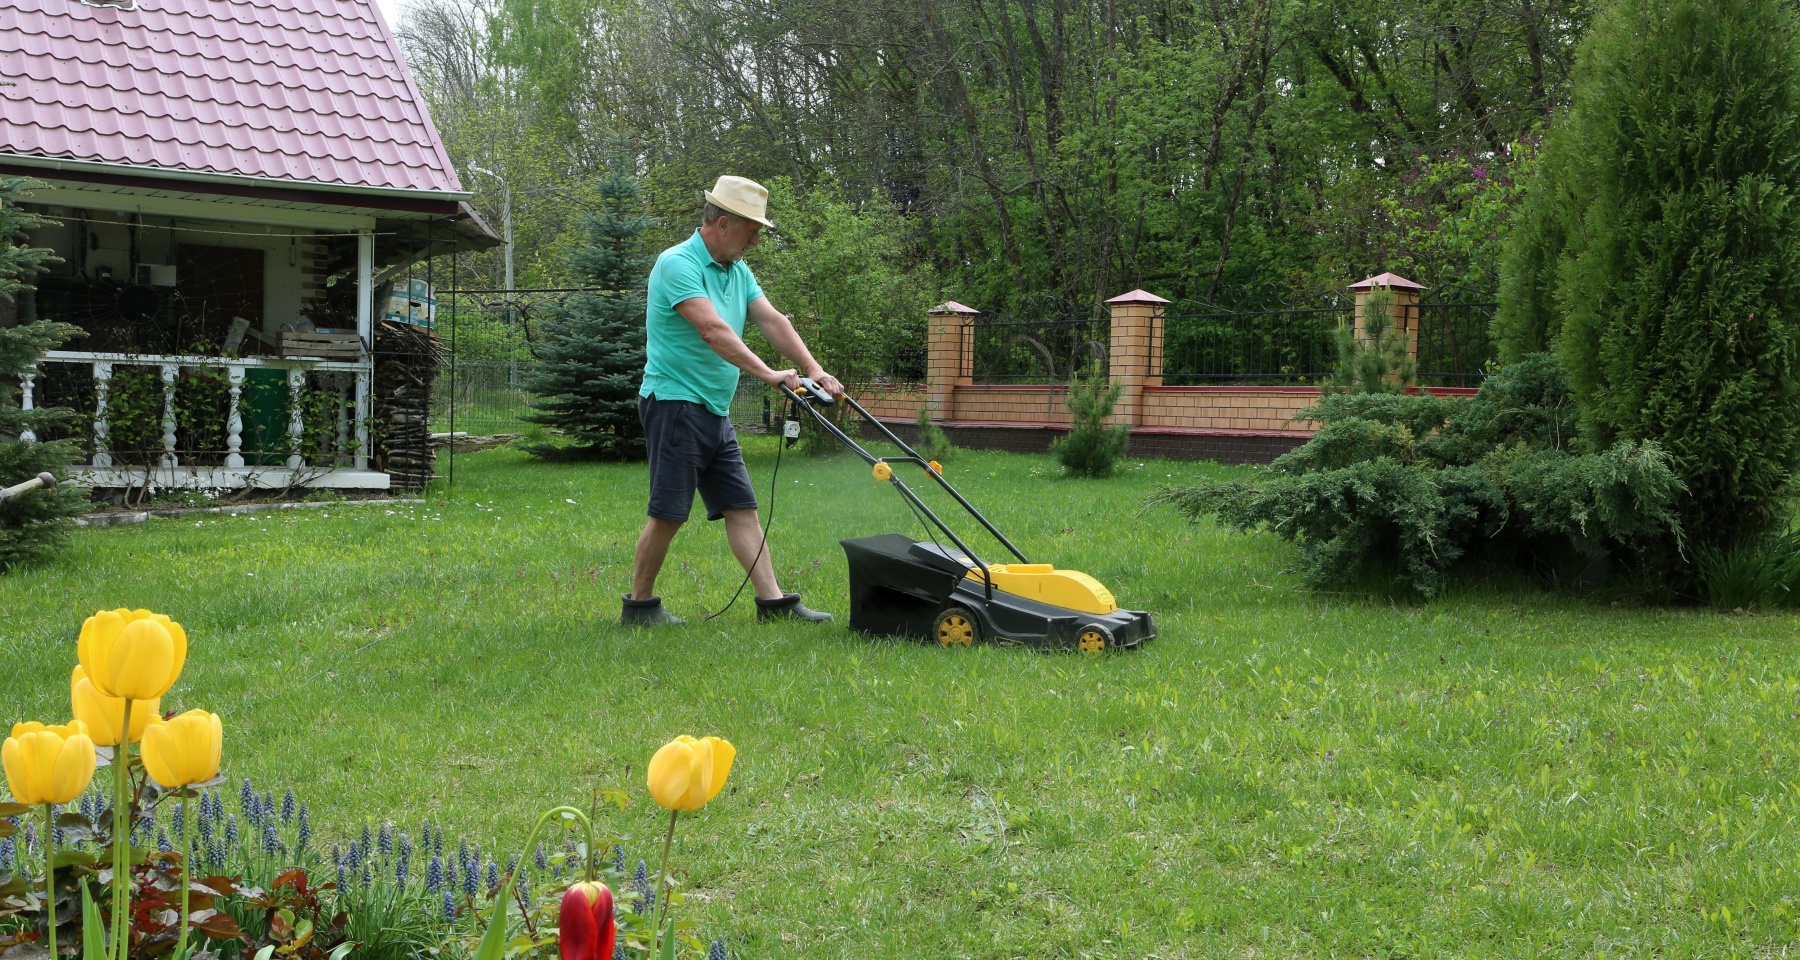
1263 409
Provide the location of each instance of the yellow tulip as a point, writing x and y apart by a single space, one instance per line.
103 714
686 773
46 764
185 750
133 654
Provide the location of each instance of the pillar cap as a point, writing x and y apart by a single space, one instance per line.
951 306
1392 281
1137 296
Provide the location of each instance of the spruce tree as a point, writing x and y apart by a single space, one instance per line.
591 352
36 521
1660 257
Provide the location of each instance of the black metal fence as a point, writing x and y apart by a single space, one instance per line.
1042 340
1203 345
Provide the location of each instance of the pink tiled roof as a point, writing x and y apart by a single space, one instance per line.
302 90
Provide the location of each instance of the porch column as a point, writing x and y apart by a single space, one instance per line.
365 330
948 359
234 418
296 382
1134 359
169 459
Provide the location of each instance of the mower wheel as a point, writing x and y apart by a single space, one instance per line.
1092 640
957 627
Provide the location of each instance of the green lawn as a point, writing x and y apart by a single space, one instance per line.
1495 774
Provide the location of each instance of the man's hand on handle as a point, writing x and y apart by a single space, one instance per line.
790 378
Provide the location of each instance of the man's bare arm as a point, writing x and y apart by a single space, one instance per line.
781 335
727 344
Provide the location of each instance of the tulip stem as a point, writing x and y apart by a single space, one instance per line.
186 855
121 881
497 926
662 880
50 876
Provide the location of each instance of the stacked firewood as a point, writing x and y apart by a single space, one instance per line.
406 362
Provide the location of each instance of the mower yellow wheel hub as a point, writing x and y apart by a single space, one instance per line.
955 630
1093 641
1046 584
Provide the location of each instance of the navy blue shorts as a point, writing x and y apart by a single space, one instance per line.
693 449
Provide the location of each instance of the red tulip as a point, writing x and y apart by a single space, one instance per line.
585 929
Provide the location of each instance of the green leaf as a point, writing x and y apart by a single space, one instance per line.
7 829
14 809
668 942
266 952
493 942
341 951
93 931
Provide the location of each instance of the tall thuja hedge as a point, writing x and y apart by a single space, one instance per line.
591 352
35 521
1659 251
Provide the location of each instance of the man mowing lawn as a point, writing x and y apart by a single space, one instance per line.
701 294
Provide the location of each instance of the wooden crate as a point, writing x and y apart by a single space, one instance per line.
327 344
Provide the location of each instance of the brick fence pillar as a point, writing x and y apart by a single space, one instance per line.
1135 354
949 361
1404 311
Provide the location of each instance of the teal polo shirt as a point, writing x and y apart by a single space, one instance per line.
678 365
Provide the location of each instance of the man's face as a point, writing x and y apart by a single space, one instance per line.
737 234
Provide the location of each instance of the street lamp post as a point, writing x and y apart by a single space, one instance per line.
505 220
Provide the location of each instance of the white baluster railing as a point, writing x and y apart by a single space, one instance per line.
349 381
234 420
103 371
26 380
169 459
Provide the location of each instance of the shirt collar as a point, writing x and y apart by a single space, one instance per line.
698 245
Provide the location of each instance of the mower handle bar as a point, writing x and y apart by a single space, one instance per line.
41 480
809 392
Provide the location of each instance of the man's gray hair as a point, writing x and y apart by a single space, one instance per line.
712 211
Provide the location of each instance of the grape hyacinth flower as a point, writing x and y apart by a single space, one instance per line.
271 841
434 876
619 859
340 874
215 854
231 830
542 861
204 822
449 872
717 952
640 884
437 841
268 805
304 834
354 856
31 840
403 847
470 882
162 841
400 867
253 813
368 842
287 808
6 853
246 796
493 875
449 908
367 876
385 841
619 953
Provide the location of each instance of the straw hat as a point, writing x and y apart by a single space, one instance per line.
746 198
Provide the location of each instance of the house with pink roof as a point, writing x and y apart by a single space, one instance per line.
237 187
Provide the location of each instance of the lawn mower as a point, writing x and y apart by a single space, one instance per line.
925 589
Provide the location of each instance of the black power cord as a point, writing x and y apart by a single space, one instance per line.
792 414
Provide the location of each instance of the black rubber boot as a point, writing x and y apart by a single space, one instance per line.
647 613
788 607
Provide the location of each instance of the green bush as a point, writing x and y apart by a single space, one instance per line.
1758 573
1658 253
1406 487
1092 446
933 442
